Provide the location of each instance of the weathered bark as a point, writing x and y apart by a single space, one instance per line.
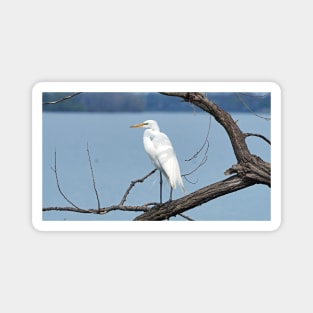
195 199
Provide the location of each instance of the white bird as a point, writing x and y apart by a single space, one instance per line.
160 150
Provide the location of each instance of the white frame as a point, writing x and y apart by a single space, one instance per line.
41 225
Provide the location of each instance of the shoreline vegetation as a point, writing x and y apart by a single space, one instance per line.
145 102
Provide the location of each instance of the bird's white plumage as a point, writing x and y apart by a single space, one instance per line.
160 150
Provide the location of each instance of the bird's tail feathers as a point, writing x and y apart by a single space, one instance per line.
175 177
181 184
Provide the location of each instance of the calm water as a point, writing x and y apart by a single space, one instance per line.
118 157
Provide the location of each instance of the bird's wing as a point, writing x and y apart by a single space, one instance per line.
167 160
161 141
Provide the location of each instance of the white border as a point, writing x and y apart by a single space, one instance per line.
41 225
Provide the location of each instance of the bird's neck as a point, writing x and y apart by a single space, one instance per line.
154 128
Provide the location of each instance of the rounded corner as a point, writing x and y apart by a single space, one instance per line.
36 226
276 86
37 86
276 226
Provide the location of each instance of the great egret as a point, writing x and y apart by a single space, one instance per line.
160 150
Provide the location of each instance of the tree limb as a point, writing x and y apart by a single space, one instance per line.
57 180
195 199
62 99
174 207
249 165
100 211
133 183
258 135
247 106
93 178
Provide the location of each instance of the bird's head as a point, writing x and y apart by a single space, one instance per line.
147 124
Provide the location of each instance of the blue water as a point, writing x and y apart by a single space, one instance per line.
118 157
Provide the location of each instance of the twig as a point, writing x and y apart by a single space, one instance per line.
258 135
248 107
65 98
75 208
205 141
133 183
205 157
185 216
253 96
56 176
189 181
93 178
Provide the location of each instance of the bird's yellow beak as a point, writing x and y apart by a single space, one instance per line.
137 125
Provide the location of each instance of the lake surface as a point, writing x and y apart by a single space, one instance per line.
118 157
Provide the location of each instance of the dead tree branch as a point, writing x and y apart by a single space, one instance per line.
186 217
175 207
258 135
93 178
205 146
247 106
57 180
133 183
105 210
195 199
143 208
249 165
62 99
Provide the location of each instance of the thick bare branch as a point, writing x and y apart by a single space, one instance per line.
237 138
249 165
172 208
201 196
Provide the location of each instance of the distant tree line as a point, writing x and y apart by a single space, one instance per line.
139 102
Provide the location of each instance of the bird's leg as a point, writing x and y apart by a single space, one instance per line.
161 187
171 194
